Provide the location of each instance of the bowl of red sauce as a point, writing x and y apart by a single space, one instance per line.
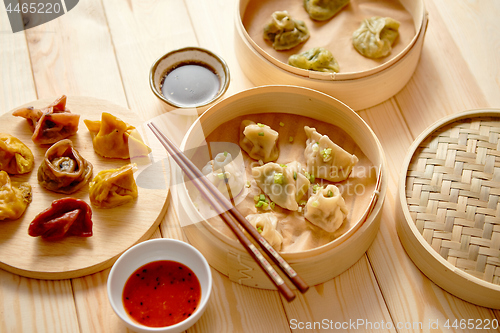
160 285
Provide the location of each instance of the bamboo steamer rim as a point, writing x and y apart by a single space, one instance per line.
425 257
318 251
421 28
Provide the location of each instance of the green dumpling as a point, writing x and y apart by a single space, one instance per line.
316 59
375 36
285 32
322 10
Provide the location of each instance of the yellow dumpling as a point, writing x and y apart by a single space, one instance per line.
15 156
114 138
14 198
113 187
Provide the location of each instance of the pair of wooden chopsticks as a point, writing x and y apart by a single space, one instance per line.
229 214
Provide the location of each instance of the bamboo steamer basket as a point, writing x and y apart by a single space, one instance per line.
448 205
376 84
314 266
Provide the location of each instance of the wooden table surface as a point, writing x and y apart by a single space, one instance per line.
104 49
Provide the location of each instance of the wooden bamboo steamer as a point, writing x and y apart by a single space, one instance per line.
447 209
376 84
315 265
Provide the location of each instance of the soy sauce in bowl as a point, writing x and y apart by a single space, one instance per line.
190 83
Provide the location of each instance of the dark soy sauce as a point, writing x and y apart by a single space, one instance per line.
190 83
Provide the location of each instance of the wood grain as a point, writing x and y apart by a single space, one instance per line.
115 229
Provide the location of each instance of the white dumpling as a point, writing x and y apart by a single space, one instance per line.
283 184
221 167
325 159
326 208
266 224
259 141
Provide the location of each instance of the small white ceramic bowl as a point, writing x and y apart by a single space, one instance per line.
154 250
175 58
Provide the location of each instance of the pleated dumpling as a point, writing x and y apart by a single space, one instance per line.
284 32
325 159
52 123
266 224
259 141
114 138
326 208
63 169
223 168
15 156
113 187
14 198
283 184
375 36
316 59
322 10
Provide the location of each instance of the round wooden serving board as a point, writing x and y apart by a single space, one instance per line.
114 230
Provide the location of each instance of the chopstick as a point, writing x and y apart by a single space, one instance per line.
222 206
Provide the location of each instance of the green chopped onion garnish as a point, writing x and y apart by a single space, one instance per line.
315 204
259 229
265 205
220 175
278 178
330 193
282 124
225 153
283 165
302 202
248 183
272 204
259 204
295 175
315 188
262 197
260 125
256 198
261 133
290 139
312 178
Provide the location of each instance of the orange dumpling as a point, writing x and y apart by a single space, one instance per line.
50 124
114 138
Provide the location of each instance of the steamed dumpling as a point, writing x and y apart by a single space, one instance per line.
283 184
114 138
52 123
265 224
326 208
284 31
63 169
322 10
325 159
223 167
113 187
259 141
14 198
375 36
15 156
316 59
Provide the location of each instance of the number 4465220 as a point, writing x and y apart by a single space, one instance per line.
478 324
35 7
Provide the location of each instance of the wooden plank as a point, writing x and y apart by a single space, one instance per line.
142 31
28 305
351 302
17 85
442 84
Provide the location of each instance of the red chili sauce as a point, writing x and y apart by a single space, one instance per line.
161 293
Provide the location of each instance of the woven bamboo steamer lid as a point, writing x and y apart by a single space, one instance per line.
376 84
314 266
448 214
